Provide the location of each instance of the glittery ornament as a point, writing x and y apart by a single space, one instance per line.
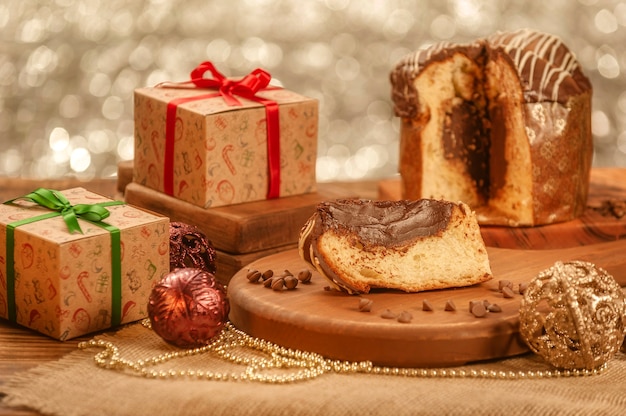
188 307
572 314
189 247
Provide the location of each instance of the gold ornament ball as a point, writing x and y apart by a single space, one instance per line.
573 315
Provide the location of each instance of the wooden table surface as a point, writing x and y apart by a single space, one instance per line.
22 349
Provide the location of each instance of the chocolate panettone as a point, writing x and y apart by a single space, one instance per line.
502 124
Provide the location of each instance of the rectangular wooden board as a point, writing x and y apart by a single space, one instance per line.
240 228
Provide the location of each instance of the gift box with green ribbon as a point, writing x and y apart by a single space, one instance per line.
214 141
75 262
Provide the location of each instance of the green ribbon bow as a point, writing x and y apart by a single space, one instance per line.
94 213
55 201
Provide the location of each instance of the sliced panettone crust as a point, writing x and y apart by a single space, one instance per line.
410 246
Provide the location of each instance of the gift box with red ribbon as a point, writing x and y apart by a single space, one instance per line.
214 141
75 262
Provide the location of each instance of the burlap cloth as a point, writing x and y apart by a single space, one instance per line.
74 385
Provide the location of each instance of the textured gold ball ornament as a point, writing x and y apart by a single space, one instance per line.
573 315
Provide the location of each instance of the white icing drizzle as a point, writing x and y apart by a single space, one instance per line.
546 48
411 62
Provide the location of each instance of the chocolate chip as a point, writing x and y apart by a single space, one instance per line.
365 305
450 306
507 292
253 275
278 284
522 288
504 283
405 317
291 282
305 275
478 309
494 307
387 314
427 306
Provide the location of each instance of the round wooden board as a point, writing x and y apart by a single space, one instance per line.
310 318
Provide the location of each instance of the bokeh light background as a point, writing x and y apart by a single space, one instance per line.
68 68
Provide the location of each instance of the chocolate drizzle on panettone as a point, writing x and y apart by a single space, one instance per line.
546 67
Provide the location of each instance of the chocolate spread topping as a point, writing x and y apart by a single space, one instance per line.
465 137
384 223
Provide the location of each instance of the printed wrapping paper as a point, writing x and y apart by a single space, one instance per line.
220 150
62 281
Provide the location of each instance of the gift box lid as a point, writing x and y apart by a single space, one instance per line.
206 101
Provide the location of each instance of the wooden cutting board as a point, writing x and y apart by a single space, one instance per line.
311 318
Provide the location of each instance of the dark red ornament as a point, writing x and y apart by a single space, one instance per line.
188 307
190 247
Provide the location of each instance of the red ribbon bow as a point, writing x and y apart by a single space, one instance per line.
246 87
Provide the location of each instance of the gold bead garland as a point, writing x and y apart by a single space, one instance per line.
587 312
304 365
